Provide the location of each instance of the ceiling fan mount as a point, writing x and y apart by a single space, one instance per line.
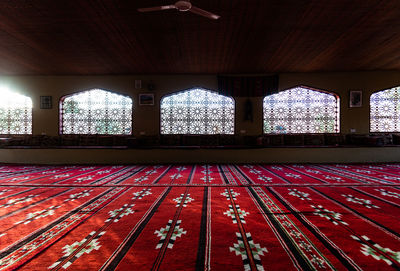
183 6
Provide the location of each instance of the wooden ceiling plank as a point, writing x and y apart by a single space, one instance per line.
333 53
50 37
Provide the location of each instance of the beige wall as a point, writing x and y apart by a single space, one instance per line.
146 118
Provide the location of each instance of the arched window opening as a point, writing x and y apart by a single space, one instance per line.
301 110
96 111
15 113
197 111
385 110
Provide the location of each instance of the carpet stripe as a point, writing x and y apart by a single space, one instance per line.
375 197
201 249
175 220
34 203
251 261
351 173
98 200
298 258
276 175
124 247
335 250
376 224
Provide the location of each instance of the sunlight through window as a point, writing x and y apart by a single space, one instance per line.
197 111
15 113
385 110
96 111
301 110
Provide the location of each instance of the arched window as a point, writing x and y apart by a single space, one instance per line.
385 110
197 111
96 111
301 110
15 113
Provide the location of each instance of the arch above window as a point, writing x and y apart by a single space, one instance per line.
15 113
385 110
96 111
301 110
197 111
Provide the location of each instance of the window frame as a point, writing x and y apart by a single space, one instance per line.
205 89
31 114
369 111
339 115
60 111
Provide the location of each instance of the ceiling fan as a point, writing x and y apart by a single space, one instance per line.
183 6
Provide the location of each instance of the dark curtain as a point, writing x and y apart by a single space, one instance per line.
248 86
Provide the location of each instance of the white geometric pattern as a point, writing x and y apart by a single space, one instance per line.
163 232
241 214
96 111
15 113
84 193
39 214
12 202
384 110
197 111
332 216
233 193
296 193
388 193
117 214
365 202
256 251
142 193
301 110
370 248
70 249
178 200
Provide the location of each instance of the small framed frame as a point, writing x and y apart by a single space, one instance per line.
146 99
46 102
355 98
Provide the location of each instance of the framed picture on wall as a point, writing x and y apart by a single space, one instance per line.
45 102
146 99
355 98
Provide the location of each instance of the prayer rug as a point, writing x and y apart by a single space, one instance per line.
200 217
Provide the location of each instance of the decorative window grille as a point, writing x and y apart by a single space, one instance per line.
301 110
96 111
197 111
385 110
15 113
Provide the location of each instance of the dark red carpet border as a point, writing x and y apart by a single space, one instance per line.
200 217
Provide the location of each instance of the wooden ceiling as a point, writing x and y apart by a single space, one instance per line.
85 37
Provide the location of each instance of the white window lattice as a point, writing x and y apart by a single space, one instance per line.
15 113
301 110
385 110
96 111
197 111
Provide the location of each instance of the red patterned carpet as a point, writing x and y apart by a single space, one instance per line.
202 217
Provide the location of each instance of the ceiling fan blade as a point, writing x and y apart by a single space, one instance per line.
204 13
156 8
